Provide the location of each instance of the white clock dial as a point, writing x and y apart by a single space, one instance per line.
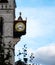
20 26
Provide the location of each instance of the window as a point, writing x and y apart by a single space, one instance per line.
3 1
1 26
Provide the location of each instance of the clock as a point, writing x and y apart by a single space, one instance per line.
19 26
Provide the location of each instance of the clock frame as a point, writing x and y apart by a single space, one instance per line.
19 32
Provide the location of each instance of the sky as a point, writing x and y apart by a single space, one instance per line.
40 33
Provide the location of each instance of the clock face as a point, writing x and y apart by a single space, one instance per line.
19 26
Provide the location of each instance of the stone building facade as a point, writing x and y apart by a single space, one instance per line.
7 13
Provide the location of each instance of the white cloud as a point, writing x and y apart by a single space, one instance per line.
45 55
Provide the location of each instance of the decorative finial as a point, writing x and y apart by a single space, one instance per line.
20 17
20 13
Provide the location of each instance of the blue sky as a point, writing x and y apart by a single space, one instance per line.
40 36
35 3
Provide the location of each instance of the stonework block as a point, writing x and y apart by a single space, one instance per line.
7 18
7 40
8 29
9 5
6 12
